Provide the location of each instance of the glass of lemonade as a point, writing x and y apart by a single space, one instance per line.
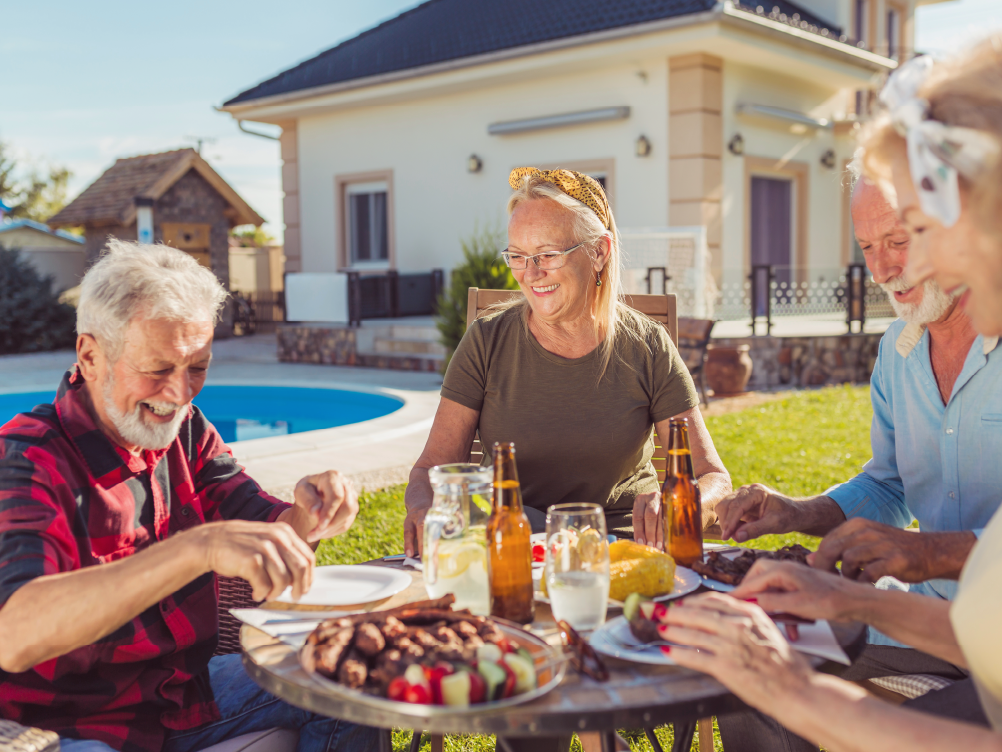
577 564
455 535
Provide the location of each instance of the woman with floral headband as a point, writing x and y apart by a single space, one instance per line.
573 376
937 154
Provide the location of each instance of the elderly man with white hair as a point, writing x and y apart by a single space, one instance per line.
935 437
119 503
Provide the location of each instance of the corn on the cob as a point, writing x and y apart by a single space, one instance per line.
649 577
627 549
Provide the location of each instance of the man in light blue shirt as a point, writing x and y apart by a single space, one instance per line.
936 438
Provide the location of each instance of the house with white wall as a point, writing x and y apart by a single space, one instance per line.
53 253
731 116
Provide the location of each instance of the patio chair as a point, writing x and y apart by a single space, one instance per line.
693 338
233 593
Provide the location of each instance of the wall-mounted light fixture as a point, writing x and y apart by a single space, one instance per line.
474 163
736 145
643 146
828 159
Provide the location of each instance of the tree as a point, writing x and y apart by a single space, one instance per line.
31 317
32 196
252 237
482 267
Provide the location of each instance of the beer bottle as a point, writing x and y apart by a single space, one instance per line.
508 543
680 506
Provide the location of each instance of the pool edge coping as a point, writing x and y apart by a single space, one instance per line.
375 430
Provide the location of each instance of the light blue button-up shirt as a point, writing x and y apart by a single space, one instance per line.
939 464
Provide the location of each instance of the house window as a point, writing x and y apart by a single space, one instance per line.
859 20
893 33
366 223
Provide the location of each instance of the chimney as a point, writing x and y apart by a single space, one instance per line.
144 219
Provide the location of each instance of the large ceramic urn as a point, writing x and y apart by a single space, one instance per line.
728 369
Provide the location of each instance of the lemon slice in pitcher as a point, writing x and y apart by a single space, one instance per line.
456 562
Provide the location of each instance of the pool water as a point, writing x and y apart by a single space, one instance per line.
253 412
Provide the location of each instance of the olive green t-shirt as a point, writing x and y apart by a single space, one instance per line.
577 439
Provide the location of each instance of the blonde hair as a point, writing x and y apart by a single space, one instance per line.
964 91
588 229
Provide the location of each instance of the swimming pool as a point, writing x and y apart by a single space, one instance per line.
253 412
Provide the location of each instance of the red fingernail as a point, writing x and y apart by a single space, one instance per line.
662 628
666 649
751 600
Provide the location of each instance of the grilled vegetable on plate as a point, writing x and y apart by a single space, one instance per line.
432 657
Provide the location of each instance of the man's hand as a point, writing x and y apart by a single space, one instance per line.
328 502
757 510
414 528
788 587
870 550
271 556
648 527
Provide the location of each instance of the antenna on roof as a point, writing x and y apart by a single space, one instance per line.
199 140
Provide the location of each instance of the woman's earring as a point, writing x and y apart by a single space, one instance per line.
598 278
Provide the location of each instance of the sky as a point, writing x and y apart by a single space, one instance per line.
84 83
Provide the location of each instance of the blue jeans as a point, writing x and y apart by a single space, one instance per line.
246 708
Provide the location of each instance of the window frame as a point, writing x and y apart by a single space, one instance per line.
342 190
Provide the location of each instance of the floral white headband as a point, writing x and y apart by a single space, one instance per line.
937 152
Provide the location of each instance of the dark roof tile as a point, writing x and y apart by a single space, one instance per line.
441 30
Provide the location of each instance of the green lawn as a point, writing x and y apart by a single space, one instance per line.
800 444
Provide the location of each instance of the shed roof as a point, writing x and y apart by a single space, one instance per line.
441 30
30 224
111 199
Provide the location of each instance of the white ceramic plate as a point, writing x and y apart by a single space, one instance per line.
686 581
339 585
615 639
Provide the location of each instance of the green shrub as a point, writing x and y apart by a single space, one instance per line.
482 267
31 317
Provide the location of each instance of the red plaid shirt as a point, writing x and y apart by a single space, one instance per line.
70 498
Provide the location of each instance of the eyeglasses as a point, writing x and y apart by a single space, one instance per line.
547 261
582 655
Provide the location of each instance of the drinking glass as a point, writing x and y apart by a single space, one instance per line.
577 564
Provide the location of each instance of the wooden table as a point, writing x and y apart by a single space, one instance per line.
636 695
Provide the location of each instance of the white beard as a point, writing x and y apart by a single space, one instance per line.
933 306
133 426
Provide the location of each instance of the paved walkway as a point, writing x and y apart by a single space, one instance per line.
374 453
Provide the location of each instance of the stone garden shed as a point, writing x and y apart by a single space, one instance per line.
174 197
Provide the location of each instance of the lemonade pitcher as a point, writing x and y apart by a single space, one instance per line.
455 535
